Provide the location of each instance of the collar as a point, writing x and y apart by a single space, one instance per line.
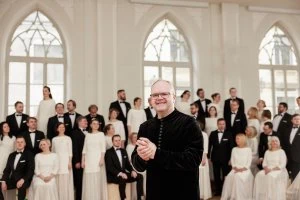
169 117
116 148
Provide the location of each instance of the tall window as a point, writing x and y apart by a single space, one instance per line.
279 70
36 58
167 56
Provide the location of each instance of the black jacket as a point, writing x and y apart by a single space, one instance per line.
100 118
53 121
77 137
239 125
227 109
13 125
34 149
148 113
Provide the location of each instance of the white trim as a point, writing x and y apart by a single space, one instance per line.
274 10
179 3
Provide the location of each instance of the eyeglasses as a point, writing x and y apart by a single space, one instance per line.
162 95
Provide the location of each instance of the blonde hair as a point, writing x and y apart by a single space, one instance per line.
253 111
253 131
261 101
270 141
243 138
45 140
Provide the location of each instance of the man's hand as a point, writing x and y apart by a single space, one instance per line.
123 175
3 186
20 183
267 170
133 174
146 149
77 165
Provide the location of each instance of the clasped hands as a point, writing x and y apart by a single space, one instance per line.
146 149
237 170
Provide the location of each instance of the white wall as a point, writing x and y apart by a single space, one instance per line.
104 44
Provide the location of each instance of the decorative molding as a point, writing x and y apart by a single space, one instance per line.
179 3
274 10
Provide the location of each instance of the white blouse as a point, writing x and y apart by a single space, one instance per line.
135 119
119 128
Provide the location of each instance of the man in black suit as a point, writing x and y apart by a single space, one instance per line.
17 121
123 107
236 122
119 169
219 151
202 103
291 144
93 109
194 111
282 121
227 108
33 136
59 117
19 170
150 112
72 114
263 145
78 137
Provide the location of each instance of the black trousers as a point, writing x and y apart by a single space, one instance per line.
77 176
293 169
217 167
139 185
12 185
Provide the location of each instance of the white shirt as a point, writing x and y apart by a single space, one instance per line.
32 137
232 117
293 134
123 108
220 135
118 152
17 158
83 130
18 119
276 121
153 112
60 118
203 103
72 117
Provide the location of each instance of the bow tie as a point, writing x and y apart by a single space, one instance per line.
19 152
118 149
202 100
83 130
296 127
61 116
19 115
71 113
233 113
31 132
122 102
220 131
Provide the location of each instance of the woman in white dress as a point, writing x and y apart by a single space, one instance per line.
94 185
109 132
43 185
204 178
62 146
266 116
261 104
238 183
271 182
183 105
252 143
211 120
130 147
293 191
118 125
216 102
46 110
253 119
136 116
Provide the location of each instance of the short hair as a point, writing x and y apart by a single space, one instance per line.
59 104
20 137
213 96
244 138
194 104
199 90
221 119
29 118
18 102
113 137
172 90
106 128
236 101
45 140
253 131
298 98
269 124
261 101
232 88
295 115
284 105
121 90
80 118
92 106
73 102
136 99
270 141
266 114
184 92
210 107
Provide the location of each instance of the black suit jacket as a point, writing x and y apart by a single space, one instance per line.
24 169
239 125
203 113
148 113
75 123
292 150
100 118
227 109
113 166
263 143
285 124
53 121
77 137
13 125
34 149
220 152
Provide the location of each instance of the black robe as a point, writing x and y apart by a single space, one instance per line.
174 171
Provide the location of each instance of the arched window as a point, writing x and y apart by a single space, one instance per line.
36 58
167 56
279 70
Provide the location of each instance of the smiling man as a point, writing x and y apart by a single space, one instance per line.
170 148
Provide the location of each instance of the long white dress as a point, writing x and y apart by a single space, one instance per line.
293 191
204 179
183 107
210 125
45 111
6 147
252 143
219 108
256 124
273 185
45 164
62 146
94 186
239 186
119 128
135 118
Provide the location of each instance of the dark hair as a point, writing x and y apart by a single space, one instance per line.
269 124
18 102
106 128
267 114
73 102
221 119
57 125
80 118
214 95
94 119
48 88
113 137
298 98
1 130
21 136
29 118
194 104
92 106
184 92
59 104
236 101
284 105
232 88
199 90
111 110
121 90
136 99
295 115
214 108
